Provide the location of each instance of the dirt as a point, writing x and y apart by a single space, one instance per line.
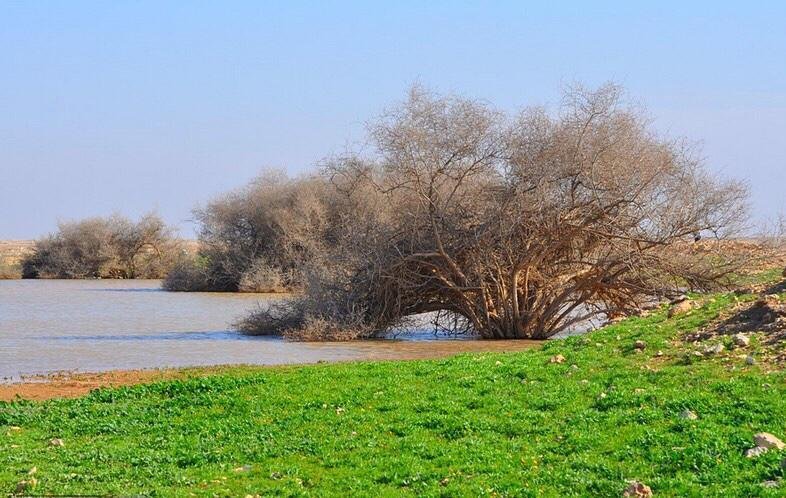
72 385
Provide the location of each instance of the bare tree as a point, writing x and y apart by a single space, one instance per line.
512 228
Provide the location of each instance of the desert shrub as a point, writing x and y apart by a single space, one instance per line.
259 237
508 227
188 274
263 277
112 247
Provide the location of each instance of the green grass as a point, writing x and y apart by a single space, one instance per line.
473 425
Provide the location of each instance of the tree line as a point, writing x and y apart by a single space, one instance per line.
503 226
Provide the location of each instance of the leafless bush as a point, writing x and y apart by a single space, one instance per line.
259 237
511 228
111 247
188 274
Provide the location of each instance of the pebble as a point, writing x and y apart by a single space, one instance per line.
637 489
639 344
557 359
741 340
689 415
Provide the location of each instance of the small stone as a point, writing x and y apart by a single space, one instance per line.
584 381
444 482
574 367
56 442
741 340
697 353
755 451
498 363
769 484
659 353
680 307
689 415
637 489
639 344
767 440
557 359
717 348
750 360
339 410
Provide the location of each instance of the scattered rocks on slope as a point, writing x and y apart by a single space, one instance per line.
637 489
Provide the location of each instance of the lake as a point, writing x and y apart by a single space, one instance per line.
97 325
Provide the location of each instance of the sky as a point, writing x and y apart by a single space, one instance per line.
132 106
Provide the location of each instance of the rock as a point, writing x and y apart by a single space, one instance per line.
741 340
767 440
56 442
659 353
557 359
717 348
769 484
498 363
750 360
637 489
680 307
755 451
689 415
574 367
639 344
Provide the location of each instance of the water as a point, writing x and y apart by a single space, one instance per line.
98 325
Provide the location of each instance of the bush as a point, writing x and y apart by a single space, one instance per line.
111 247
189 274
258 238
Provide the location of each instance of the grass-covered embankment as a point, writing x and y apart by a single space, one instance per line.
483 424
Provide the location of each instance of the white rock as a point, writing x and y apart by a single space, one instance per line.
767 440
741 340
750 360
717 348
689 415
755 451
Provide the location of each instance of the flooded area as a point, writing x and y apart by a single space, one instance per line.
98 325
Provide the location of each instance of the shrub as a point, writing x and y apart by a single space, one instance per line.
111 247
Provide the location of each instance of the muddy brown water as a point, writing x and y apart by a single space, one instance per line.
99 325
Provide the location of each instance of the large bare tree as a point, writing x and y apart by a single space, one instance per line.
511 227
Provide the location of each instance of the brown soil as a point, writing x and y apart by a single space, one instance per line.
72 385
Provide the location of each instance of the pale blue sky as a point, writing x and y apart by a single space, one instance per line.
136 105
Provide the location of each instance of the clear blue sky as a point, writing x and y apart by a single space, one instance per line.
136 105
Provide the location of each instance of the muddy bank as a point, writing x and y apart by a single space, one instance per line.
75 384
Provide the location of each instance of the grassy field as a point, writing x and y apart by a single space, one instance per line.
474 425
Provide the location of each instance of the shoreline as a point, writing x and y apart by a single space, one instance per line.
73 384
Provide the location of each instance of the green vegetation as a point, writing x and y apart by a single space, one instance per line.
483 424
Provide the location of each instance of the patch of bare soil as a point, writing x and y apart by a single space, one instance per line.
72 385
